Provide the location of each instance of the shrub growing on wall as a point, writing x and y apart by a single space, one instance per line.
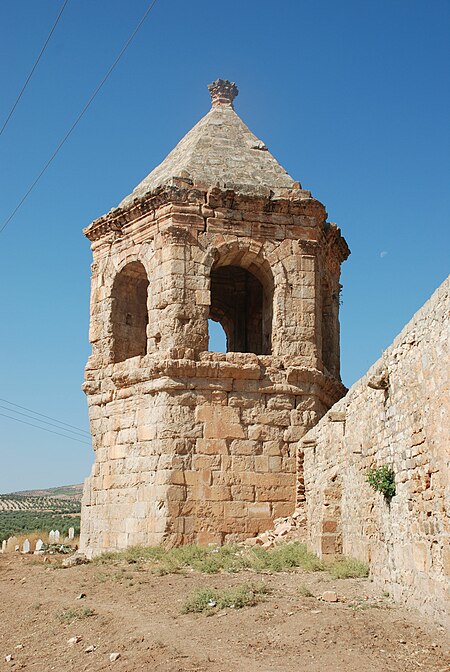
382 479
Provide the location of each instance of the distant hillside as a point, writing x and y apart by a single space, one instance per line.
40 511
72 492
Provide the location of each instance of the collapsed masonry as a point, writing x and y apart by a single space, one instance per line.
192 445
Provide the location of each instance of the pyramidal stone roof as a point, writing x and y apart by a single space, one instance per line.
218 151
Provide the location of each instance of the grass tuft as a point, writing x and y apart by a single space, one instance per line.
70 615
348 568
304 591
235 597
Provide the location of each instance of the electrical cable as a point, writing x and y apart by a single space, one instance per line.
81 114
30 410
44 429
33 68
44 422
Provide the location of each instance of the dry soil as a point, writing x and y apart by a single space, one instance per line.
138 614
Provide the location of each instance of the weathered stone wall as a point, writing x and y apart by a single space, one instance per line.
398 414
196 451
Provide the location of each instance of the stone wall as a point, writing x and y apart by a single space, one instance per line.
196 451
397 414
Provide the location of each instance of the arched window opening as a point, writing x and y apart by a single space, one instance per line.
217 337
327 328
129 312
242 305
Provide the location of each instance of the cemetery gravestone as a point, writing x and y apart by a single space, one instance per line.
11 544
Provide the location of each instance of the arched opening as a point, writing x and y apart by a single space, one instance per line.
327 327
217 337
242 304
129 312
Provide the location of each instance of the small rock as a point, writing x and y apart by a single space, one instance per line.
212 603
75 559
283 529
19 646
9 658
81 596
113 657
90 648
74 640
264 536
329 596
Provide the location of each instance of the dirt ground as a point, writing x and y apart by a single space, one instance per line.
137 614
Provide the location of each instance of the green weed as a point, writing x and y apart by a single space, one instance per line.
229 558
382 479
348 568
304 591
70 615
236 597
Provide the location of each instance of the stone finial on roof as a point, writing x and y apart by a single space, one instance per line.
223 92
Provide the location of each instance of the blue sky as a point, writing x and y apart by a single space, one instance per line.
351 97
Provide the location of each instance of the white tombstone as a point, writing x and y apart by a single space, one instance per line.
71 533
11 544
56 536
51 537
4 546
39 545
26 546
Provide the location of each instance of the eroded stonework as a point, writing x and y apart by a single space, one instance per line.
192 445
398 415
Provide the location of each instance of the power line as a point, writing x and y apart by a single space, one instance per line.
44 429
34 67
44 422
30 410
81 114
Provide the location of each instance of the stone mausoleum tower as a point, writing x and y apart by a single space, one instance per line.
192 445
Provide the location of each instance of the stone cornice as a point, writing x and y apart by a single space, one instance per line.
336 242
167 374
283 201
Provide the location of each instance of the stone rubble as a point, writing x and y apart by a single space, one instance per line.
291 528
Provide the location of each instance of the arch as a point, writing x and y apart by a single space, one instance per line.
129 314
242 288
327 326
